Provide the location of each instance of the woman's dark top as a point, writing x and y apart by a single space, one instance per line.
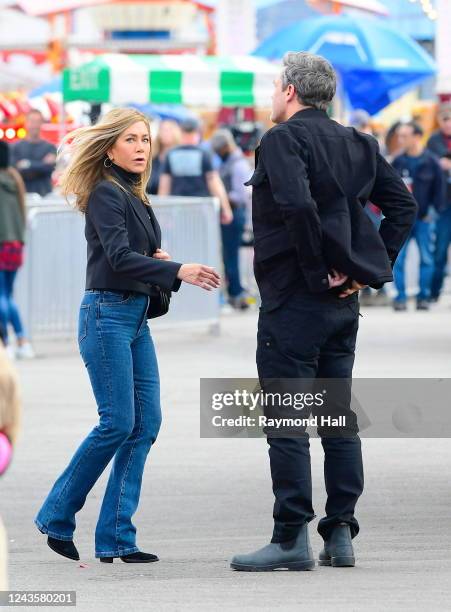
122 235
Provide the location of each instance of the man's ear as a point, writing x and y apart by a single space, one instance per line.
291 92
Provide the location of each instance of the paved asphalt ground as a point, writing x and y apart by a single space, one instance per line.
204 500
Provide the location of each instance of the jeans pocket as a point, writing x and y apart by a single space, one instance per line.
83 322
112 298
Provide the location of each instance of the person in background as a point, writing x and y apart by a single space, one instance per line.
34 157
361 121
392 145
188 171
234 172
12 237
440 144
3 559
10 417
422 174
168 137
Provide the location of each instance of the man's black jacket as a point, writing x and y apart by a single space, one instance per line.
312 180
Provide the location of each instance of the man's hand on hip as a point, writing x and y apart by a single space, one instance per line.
336 279
355 287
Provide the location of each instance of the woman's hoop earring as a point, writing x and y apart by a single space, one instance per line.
107 159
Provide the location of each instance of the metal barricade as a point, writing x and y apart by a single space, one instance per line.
51 283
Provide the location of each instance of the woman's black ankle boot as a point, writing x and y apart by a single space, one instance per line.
136 557
66 548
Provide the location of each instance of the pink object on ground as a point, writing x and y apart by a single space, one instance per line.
6 453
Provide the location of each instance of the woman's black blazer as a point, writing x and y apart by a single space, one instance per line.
121 239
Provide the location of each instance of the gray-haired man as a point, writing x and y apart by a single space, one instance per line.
315 248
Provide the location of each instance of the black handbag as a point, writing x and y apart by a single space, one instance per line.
158 303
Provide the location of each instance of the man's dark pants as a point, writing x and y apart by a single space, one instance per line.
311 336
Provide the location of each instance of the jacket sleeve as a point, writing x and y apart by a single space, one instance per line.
281 154
397 205
106 210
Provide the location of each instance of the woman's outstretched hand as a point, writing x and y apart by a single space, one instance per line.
199 275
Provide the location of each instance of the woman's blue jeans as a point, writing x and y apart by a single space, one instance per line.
9 313
118 352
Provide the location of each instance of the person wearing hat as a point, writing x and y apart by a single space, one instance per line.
188 171
234 172
12 238
440 144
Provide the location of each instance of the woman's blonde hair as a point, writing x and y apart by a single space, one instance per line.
88 151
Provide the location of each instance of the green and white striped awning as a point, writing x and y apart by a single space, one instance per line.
178 79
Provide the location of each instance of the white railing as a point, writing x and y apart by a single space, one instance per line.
50 285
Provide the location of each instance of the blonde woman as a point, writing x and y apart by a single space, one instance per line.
168 136
108 172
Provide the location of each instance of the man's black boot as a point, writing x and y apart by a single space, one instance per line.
338 550
294 555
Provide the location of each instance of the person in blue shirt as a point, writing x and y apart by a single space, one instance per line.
188 171
421 172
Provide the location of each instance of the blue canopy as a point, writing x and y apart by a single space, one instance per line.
176 112
376 63
52 86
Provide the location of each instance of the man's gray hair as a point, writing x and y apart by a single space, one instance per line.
222 138
312 77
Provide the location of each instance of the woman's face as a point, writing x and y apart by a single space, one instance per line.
131 151
166 134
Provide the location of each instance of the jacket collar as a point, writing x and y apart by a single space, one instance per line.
126 178
148 219
314 113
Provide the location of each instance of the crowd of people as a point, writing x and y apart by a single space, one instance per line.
184 164
425 168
